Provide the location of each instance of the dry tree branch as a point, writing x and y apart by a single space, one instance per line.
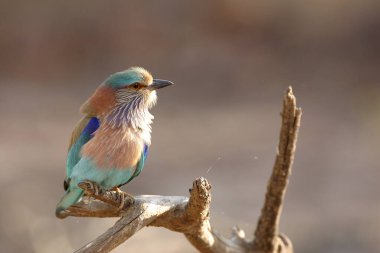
191 216
267 237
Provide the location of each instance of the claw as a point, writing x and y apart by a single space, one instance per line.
122 202
125 199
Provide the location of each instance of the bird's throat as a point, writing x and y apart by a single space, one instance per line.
131 117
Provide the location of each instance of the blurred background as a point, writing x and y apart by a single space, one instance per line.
231 62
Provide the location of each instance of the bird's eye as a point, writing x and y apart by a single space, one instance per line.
136 86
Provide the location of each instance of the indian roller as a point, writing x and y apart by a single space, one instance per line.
109 145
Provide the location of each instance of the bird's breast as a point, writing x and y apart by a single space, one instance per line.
114 148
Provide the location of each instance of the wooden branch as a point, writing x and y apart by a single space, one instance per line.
191 216
193 220
180 214
267 237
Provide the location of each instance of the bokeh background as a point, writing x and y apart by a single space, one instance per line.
231 61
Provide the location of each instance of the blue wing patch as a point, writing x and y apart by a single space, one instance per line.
146 149
92 126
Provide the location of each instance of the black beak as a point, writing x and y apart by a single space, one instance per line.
158 84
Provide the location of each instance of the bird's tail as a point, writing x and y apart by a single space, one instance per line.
71 197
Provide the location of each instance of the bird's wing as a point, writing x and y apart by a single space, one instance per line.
82 133
139 165
141 162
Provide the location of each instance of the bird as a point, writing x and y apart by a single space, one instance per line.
110 144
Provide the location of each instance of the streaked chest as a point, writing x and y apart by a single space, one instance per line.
114 148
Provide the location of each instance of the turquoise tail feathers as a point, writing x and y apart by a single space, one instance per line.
70 198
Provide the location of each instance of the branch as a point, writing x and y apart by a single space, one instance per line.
191 216
267 237
179 214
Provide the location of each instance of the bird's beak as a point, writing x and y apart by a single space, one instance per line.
158 84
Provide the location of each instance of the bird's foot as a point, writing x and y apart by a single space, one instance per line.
115 196
123 198
91 188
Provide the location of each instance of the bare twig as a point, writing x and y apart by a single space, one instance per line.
190 216
266 235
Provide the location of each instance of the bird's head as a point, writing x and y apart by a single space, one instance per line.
135 86
125 97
